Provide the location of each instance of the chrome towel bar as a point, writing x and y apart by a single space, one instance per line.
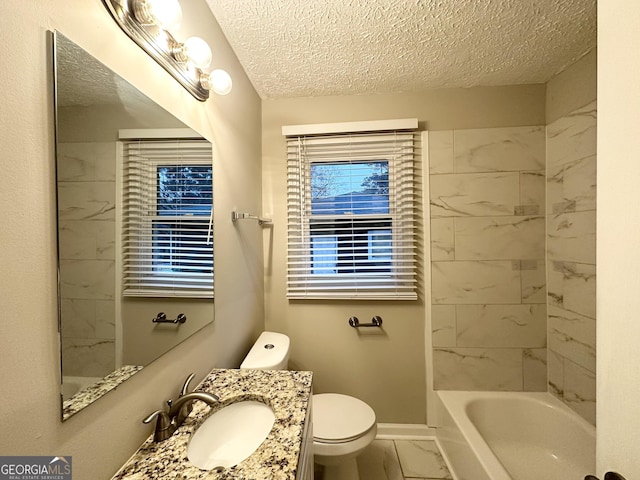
235 216
375 322
162 318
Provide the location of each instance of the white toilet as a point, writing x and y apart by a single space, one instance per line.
343 426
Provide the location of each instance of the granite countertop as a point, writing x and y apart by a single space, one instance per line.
286 392
90 394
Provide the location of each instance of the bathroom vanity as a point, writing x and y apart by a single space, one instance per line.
285 454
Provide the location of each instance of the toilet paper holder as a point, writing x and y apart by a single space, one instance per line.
375 322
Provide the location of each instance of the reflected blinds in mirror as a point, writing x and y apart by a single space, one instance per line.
167 218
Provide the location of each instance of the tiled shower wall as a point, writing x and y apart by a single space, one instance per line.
571 256
86 222
487 189
492 316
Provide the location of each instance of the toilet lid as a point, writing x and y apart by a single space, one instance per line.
339 417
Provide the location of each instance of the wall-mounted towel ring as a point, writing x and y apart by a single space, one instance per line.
375 322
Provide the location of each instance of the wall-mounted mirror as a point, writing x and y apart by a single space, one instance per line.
113 279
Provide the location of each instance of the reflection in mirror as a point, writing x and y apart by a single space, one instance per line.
106 322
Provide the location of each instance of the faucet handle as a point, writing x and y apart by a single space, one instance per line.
163 425
185 387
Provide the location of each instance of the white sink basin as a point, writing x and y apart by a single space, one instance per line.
230 435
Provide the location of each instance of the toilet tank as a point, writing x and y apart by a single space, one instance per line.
270 352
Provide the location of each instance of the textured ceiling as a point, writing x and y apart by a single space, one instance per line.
82 80
302 48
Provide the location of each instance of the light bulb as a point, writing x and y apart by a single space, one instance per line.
220 82
198 52
167 14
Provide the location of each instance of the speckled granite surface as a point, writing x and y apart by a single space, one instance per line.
288 393
90 394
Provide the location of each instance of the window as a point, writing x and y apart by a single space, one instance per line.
167 218
350 216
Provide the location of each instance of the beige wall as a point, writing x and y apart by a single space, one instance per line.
572 88
103 436
384 368
618 256
100 123
143 341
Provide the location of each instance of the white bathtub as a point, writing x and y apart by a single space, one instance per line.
513 436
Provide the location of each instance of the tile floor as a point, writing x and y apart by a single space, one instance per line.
401 460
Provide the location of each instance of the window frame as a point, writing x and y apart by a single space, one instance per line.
399 281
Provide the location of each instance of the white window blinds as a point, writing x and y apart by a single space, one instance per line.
351 216
167 218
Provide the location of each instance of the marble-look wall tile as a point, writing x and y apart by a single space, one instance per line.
572 137
499 238
532 190
480 282
78 317
105 319
571 237
87 239
478 369
501 326
478 194
572 186
571 253
555 374
534 282
441 151
83 162
88 279
499 149
572 286
86 175
534 370
442 244
580 289
443 324
555 284
580 390
556 202
488 207
88 318
579 183
573 336
88 357
86 200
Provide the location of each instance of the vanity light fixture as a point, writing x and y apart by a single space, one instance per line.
148 23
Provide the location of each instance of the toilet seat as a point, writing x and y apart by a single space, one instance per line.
340 418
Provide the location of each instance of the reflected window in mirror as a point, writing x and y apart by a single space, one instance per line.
167 218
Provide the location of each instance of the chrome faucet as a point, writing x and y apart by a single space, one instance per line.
169 421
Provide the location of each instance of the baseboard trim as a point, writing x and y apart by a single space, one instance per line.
405 431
